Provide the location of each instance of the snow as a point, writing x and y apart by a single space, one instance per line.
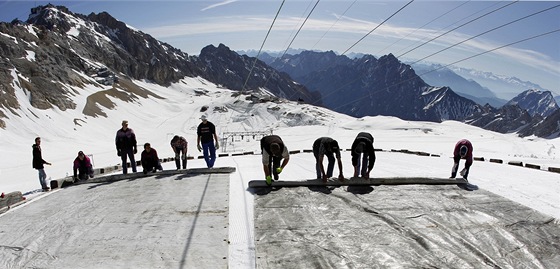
176 110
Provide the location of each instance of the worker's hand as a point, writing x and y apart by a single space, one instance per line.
462 173
118 152
279 170
217 146
135 151
199 147
268 180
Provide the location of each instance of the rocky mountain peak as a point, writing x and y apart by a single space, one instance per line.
536 102
53 18
56 53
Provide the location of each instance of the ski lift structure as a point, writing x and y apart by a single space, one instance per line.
229 139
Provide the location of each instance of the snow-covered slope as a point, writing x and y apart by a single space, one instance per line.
165 111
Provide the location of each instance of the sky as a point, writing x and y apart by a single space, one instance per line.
447 29
158 120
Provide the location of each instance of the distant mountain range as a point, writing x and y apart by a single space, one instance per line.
385 86
55 53
441 76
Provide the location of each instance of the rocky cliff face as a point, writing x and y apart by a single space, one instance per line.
507 119
548 127
55 52
225 67
535 102
368 86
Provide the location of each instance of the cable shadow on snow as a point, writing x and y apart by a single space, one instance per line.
193 226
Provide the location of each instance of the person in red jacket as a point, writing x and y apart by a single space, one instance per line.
82 167
150 160
463 150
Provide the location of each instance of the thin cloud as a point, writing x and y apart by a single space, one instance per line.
349 26
227 2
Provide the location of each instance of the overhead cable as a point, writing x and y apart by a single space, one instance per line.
485 32
334 24
456 62
289 45
441 30
421 27
500 47
262 45
285 51
488 13
376 27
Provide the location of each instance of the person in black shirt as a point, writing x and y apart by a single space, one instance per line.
206 132
126 146
38 163
273 151
326 146
363 147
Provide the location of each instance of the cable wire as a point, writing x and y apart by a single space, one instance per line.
485 32
262 45
377 27
310 12
334 24
457 28
421 27
464 59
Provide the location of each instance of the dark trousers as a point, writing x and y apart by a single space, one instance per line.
151 165
130 154
209 152
456 160
363 163
330 165
84 172
182 153
274 162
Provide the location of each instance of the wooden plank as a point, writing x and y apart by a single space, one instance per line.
130 175
359 182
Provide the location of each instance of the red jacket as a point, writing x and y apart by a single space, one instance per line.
469 156
149 158
85 163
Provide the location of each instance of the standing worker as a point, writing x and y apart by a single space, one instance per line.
38 163
326 146
125 141
273 151
206 136
363 147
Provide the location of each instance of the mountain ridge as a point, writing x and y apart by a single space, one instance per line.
56 52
